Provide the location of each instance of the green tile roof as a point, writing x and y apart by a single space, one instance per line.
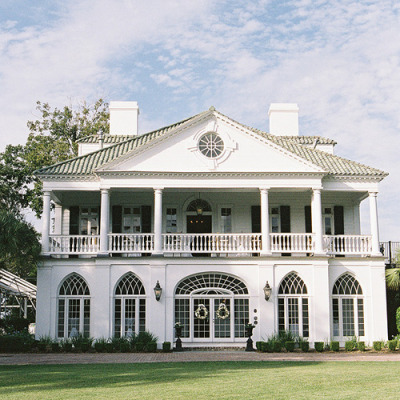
88 163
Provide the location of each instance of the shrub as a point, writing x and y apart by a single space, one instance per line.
100 345
166 347
82 343
319 346
258 345
109 347
361 346
55 347
14 323
392 344
44 343
11 344
277 346
335 346
349 345
398 320
66 345
289 345
151 347
377 345
304 346
286 336
144 340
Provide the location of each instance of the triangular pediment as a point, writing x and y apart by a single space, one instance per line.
212 143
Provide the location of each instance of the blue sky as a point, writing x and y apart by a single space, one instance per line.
338 59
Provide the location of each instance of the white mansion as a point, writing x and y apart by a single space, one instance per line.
213 212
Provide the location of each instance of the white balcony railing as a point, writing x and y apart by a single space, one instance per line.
74 244
348 245
292 242
238 243
209 243
131 242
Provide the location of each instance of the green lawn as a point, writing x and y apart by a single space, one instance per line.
208 380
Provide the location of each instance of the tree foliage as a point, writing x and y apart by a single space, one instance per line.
393 275
52 138
19 244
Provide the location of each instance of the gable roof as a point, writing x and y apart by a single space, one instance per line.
87 164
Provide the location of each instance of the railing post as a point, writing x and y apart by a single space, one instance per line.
316 212
104 221
158 221
46 222
265 238
373 210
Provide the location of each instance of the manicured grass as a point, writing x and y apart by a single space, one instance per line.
208 380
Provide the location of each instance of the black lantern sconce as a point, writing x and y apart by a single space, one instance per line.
158 291
267 291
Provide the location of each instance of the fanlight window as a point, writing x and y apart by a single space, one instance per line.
211 145
129 306
292 284
197 204
211 280
347 285
347 307
129 285
73 307
293 309
74 285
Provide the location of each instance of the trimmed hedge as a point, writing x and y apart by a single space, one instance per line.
166 347
377 345
392 344
304 346
349 345
319 346
335 346
289 345
361 346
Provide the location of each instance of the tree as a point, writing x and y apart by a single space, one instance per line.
393 275
19 245
52 138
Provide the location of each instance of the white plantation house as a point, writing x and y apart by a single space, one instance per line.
213 212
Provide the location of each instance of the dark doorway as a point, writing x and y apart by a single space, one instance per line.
199 224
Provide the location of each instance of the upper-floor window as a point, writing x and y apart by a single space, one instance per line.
89 221
171 220
226 220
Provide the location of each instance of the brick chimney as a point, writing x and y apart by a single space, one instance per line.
284 119
124 117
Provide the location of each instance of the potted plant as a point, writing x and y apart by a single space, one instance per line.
178 334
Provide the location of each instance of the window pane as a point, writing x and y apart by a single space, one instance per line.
293 315
201 327
241 316
360 304
226 220
335 315
182 315
86 318
222 327
171 220
117 318
281 315
61 316
129 318
305 318
142 315
348 317
73 316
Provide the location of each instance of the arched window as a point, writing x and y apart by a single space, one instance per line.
212 307
293 311
198 204
347 307
129 306
73 307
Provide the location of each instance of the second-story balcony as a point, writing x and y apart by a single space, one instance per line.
212 244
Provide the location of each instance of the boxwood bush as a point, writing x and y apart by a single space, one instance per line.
361 346
349 345
335 346
377 345
319 346
304 346
166 347
289 345
392 344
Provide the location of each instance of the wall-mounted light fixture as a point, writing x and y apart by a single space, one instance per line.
267 291
158 291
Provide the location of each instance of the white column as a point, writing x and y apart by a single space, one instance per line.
356 213
157 221
104 220
373 217
46 222
316 217
265 238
